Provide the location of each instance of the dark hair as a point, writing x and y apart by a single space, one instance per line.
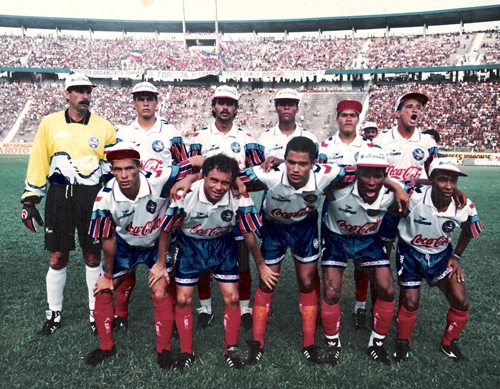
222 163
214 101
145 94
432 132
302 144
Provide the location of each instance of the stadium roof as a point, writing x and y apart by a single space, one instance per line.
370 22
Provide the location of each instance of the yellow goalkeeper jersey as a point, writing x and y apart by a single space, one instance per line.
65 152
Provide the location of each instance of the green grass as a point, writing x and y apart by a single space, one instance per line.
28 361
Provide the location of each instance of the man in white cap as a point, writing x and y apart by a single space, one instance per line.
69 153
222 136
351 231
126 217
275 139
342 149
369 130
160 145
425 251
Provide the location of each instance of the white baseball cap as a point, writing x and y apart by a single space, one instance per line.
411 95
445 163
144 87
371 155
122 150
228 92
369 125
77 79
289 94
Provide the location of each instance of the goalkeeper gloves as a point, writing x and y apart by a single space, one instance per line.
30 212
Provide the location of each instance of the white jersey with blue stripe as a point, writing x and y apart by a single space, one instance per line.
333 150
274 141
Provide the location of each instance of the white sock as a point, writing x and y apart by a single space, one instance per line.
332 337
92 275
374 336
245 306
359 304
208 304
56 280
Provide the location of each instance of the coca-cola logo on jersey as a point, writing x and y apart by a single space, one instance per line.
146 229
364 229
154 166
211 231
409 173
419 240
279 213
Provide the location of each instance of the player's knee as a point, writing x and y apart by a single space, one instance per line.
386 291
183 301
306 285
411 304
332 295
461 303
91 259
232 299
58 260
264 287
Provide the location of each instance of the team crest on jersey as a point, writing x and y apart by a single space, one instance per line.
418 154
316 243
356 155
373 212
235 147
93 142
310 198
151 206
158 146
227 215
448 226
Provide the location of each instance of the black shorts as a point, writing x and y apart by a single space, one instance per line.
69 207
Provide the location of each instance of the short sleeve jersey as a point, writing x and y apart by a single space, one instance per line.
236 144
198 218
136 221
333 150
288 205
408 158
349 215
430 231
160 146
274 141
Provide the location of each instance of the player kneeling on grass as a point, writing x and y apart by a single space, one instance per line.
425 251
205 218
351 231
127 217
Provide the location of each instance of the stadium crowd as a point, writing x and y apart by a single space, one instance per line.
263 53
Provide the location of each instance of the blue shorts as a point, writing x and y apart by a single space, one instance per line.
389 228
237 235
369 251
413 265
301 238
197 255
128 257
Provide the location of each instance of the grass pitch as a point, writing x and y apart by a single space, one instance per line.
29 361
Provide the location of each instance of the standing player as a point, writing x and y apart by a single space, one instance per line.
351 231
291 221
205 219
160 145
369 130
222 136
425 251
68 152
126 217
342 149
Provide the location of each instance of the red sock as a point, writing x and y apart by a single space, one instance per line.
245 285
260 313
122 295
455 323
205 285
308 304
232 322
330 318
406 321
383 312
104 314
164 322
184 322
361 280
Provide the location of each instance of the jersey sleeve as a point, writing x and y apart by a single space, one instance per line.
254 153
248 219
323 151
474 224
178 150
196 145
173 217
101 225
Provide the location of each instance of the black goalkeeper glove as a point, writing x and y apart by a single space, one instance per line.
30 212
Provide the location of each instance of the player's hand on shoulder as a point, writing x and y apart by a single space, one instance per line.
269 163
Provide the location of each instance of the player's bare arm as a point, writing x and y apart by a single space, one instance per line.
269 277
105 281
400 196
454 261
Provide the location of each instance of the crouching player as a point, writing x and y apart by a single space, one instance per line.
127 216
425 251
205 218
352 222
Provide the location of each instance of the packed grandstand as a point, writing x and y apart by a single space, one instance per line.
463 89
